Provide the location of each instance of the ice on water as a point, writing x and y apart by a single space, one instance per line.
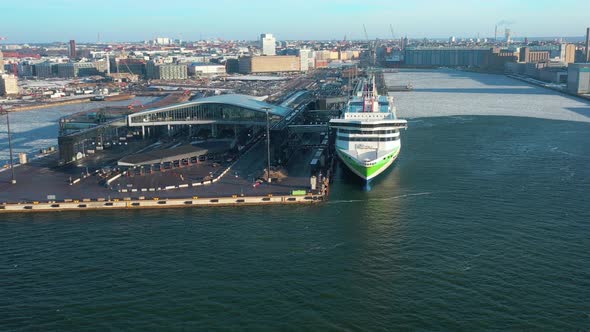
38 129
447 92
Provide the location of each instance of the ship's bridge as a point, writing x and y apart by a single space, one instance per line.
231 109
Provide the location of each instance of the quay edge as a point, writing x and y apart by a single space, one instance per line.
157 203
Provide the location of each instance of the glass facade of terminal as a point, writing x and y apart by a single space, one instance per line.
217 112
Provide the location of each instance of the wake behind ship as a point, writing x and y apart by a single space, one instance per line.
368 137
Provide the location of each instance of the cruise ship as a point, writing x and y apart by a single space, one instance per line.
368 132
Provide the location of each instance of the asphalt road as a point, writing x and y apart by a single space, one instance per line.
37 180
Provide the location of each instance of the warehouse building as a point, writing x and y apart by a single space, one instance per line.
482 57
80 69
578 78
528 55
269 64
166 71
45 69
446 56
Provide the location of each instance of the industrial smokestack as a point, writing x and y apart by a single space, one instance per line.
508 34
587 44
496 33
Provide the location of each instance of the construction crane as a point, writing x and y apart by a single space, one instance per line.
128 69
135 103
392 33
372 47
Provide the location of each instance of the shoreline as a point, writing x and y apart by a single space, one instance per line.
49 105
542 84
82 100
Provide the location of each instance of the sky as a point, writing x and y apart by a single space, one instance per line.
130 20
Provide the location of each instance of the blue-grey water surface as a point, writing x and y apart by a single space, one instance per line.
38 129
483 223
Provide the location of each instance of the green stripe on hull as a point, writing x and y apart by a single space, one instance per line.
367 173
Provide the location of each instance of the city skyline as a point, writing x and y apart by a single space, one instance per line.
328 20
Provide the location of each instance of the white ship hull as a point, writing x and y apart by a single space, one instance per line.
368 137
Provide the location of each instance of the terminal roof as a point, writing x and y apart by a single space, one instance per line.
239 100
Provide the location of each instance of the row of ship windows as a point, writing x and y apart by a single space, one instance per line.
375 163
360 103
352 131
368 126
368 139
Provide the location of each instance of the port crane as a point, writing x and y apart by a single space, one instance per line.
372 48
134 104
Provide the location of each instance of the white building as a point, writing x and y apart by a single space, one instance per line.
268 44
199 69
8 85
305 56
162 41
1 63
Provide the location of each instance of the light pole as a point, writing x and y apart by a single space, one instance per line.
267 109
13 181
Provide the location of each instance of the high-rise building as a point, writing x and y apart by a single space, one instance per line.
8 85
587 45
72 49
567 53
1 62
268 44
305 55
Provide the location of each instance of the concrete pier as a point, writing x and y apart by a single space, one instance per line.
156 203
